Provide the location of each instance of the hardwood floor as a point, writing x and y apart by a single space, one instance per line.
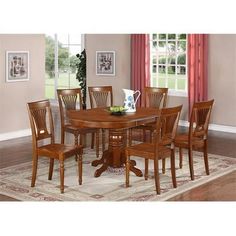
220 189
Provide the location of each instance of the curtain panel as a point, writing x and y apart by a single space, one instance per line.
140 62
197 68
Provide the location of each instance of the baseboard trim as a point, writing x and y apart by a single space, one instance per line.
15 134
215 127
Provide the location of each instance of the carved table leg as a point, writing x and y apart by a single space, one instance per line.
98 162
115 156
103 161
136 171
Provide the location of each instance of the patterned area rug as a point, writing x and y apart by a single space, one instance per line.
15 181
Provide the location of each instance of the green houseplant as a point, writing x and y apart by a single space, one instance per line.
81 75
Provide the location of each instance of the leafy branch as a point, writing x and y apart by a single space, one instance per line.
81 75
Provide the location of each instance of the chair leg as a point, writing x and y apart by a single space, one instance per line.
51 165
144 135
146 169
34 170
157 178
76 139
80 164
190 157
151 136
62 175
163 161
130 136
97 143
127 168
80 141
206 158
77 142
82 138
62 136
92 140
172 164
103 140
180 158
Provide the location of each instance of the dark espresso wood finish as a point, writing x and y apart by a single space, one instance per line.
118 125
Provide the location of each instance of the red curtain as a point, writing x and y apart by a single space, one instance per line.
140 62
197 68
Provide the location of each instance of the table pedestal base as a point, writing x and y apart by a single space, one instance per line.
115 155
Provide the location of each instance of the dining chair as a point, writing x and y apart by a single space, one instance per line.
153 97
71 99
101 96
42 128
161 147
197 135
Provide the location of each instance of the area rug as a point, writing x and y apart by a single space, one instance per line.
110 186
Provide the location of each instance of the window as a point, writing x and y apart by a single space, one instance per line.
169 62
60 62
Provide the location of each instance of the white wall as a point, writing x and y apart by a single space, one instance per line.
120 43
222 78
15 95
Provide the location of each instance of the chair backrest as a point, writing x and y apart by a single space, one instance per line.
41 121
200 118
100 96
154 97
69 99
167 125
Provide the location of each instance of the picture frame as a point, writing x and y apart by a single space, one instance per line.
17 66
105 63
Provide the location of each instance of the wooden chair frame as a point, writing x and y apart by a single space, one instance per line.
42 128
196 138
153 97
69 99
161 148
101 96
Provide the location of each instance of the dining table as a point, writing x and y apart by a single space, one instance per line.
117 126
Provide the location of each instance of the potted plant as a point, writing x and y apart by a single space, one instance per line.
81 75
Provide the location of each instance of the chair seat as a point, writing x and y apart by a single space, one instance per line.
147 150
56 150
181 140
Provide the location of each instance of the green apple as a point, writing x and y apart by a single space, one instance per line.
117 108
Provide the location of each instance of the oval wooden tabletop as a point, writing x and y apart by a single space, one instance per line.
102 118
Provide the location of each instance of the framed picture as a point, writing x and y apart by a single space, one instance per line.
17 66
105 63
